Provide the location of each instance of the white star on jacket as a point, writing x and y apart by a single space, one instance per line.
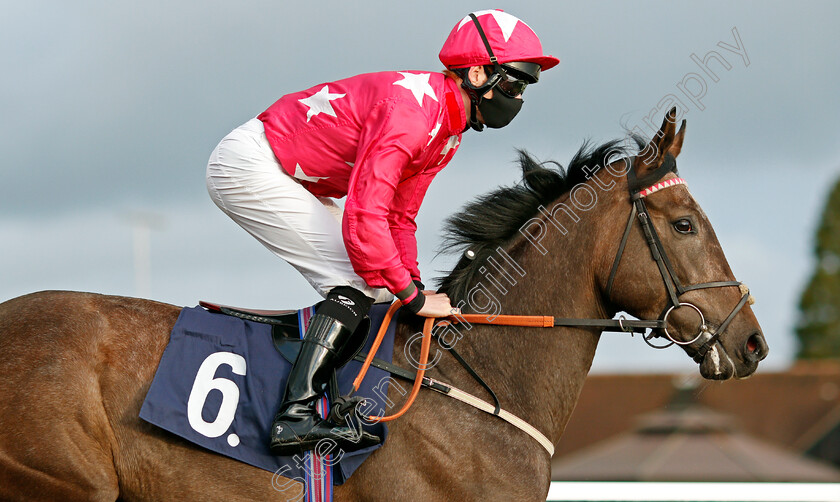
505 21
418 84
434 133
451 143
320 103
299 174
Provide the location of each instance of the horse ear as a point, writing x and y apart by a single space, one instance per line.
676 146
651 157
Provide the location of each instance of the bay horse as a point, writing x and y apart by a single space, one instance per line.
76 366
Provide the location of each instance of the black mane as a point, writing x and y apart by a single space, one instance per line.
494 219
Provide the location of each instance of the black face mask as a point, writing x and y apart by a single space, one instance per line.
500 110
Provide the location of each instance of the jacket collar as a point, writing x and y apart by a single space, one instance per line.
456 113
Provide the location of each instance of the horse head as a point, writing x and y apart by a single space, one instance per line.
670 266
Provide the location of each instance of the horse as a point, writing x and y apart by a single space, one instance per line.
76 366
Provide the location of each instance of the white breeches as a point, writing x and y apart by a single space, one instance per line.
247 182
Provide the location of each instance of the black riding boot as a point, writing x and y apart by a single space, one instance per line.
297 426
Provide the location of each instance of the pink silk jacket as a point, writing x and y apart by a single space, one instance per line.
379 139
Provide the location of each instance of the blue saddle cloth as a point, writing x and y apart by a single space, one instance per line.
220 382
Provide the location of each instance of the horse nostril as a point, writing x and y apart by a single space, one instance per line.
756 347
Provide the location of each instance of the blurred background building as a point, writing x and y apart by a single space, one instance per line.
771 427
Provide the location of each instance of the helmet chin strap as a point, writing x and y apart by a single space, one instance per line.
475 94
473 122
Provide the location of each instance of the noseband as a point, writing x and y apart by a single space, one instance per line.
674 287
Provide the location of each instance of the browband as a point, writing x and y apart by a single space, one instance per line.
659 186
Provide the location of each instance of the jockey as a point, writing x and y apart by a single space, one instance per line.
377 139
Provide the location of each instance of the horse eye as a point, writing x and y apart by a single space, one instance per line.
683 226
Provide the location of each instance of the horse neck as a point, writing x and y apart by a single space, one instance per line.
538 373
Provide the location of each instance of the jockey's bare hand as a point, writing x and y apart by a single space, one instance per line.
437 305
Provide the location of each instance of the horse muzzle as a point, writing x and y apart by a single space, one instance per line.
720 362
715 347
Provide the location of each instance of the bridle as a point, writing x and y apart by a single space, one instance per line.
674 287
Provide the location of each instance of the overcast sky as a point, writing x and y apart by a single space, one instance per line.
111 109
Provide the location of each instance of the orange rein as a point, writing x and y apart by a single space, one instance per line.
500 320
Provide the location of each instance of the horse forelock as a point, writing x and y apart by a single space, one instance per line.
493 220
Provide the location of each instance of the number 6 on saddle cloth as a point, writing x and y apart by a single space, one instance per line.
220 381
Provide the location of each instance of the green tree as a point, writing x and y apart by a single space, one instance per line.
818 328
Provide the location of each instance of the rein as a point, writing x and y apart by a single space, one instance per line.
675 289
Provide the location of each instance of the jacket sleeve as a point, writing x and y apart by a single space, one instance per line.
394 134
404 209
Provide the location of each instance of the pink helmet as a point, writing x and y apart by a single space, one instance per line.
510 38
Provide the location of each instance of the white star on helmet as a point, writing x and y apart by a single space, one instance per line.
505 21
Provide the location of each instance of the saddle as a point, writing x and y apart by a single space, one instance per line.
285 328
